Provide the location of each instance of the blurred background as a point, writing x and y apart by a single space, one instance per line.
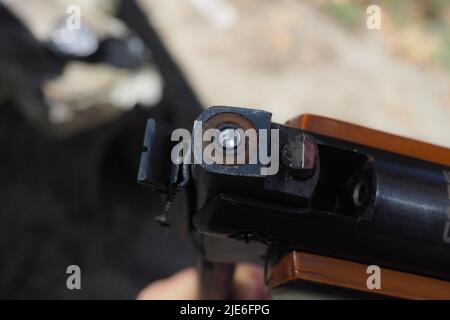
78 80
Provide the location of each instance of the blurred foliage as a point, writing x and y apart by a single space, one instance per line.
347 12
418 30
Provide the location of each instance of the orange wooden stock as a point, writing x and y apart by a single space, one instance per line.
372 138
300 266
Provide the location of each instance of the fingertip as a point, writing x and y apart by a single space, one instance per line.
249 283
181 286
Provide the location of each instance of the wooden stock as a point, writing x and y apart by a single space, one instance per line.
372 138
301 266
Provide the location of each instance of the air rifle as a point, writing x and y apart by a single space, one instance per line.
332 209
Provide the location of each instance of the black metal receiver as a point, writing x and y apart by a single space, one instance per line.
299 190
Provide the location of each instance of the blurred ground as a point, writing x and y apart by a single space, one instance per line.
292 57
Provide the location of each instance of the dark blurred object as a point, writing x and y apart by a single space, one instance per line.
73 199
25 64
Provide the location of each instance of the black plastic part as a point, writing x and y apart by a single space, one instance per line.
156 166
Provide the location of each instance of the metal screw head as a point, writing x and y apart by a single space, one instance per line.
229 138
299 156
